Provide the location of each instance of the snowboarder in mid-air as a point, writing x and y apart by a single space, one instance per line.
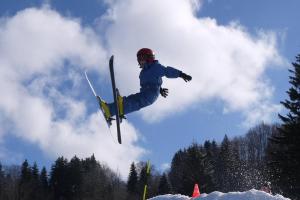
150 83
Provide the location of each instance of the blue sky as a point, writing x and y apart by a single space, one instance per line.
237 52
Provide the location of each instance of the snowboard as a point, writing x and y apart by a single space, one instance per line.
115 95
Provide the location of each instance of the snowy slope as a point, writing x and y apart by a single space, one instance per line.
248 195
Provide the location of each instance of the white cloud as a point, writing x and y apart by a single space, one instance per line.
226 62
42 56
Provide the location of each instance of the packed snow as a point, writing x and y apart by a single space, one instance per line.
248 195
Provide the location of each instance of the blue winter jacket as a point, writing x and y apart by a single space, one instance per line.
152 73
150 81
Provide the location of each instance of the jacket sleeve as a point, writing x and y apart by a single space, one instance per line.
169 72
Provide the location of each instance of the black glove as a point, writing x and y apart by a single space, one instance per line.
164 92
185 77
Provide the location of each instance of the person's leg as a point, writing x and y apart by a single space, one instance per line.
136 101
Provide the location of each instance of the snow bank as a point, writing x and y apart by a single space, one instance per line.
251 194
171 197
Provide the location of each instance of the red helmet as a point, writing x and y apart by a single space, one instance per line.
146 54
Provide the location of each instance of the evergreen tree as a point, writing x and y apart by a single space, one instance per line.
59 181
208 148
189 167
236 167
143 179
44 179
164 186
212 152
44 183
25 172
99 182
72 180
35 183
75 173
177 172
132 180
286 161
25 179
12 183
226 164
35 172
215 162
90 163
94 180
